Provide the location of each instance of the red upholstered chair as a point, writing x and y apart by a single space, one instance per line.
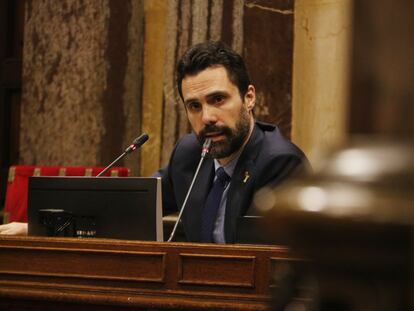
15 208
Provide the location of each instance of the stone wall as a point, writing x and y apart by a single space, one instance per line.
82 64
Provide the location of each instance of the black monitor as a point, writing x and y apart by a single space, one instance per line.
104 207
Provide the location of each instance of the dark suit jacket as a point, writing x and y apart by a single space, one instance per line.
268 158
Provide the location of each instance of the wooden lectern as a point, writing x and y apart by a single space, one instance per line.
101 274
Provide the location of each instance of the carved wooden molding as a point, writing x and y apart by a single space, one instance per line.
216 270
97 272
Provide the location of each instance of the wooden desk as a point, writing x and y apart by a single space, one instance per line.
99 274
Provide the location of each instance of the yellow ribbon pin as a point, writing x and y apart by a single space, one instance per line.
246 176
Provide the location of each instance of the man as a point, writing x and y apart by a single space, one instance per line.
219 99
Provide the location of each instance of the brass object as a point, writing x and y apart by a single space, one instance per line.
62 171
12 174
353 219
88 172
6 216
36 171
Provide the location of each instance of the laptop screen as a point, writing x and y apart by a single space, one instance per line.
105 207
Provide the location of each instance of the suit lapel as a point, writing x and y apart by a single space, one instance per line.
242 184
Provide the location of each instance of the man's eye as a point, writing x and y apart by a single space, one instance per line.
218 99
193 106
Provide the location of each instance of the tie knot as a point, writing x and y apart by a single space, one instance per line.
222 176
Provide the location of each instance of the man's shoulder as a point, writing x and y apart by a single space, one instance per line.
278 158
274 143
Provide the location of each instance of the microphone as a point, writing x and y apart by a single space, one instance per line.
204 151
138 142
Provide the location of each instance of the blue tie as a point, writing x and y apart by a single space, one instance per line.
212 205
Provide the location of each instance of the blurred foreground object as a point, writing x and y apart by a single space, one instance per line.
353 219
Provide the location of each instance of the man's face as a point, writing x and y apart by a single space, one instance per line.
216 110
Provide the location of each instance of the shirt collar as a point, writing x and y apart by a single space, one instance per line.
229 168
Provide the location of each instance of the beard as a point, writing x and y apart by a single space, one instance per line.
234 138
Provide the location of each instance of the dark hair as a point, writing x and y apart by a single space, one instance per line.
210 54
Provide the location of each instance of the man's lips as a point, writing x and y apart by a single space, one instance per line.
214 136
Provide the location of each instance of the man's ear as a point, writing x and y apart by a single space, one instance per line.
250 97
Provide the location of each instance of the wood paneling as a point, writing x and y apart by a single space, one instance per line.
207 270
96 272
136 266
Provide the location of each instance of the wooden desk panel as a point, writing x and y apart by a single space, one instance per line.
64 273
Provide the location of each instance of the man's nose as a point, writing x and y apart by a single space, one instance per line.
209 115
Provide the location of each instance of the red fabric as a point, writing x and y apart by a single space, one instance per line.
118 171
15 208
74 171
48 170
16 195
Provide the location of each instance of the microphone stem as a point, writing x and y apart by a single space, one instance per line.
185 200
112 164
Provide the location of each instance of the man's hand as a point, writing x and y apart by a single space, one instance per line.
14 228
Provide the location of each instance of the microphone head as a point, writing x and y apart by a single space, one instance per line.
206 147
138 142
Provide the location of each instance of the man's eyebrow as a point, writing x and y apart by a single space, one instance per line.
215 93
208 96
